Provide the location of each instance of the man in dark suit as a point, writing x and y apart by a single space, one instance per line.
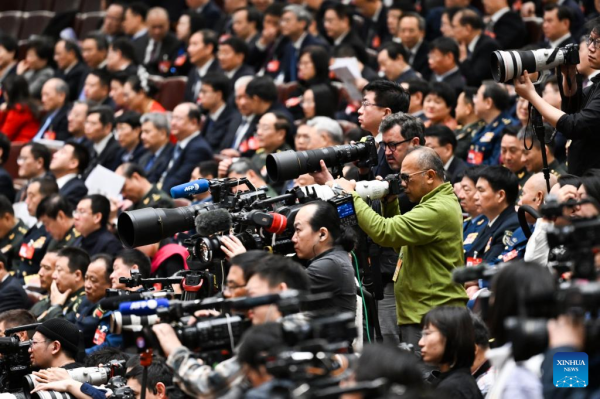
338 25
55 125
6 182
505 26
97 88
134 25
556 26
246 24
411 31
243 123
443 61
70 67
163 45
90 218
155 139
295 22
497 189
214 96
392 60
201 49
67 164
443 141
373 14
191 148
121 56
212 14
232 59
12 294
99 124
475 47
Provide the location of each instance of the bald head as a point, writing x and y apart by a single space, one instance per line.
426 159
534 191
157 21
537 182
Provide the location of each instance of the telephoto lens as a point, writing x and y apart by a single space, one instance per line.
119 320
51 395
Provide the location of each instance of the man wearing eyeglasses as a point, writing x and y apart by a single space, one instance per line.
54 344
580 113
428 239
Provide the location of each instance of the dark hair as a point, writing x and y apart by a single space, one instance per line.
78 259
219 82
445 92
52 205
418 85
104 356
389 362
471 18
500 178
482 334
209 168
263 87
320 59
42 47
469 94
252 15
158 371
130 118
81 153
443 133
132 257
238 45
455 324
210 38
326 99
497 93
277 269
341 10
326 216
99 204
569 180
99 38
40 151
473 172
445 45
17 90
120 76
105 113
591 182
103 76
389 94
147 86
275 9
72 47
394 50
248 261
9 43
48 185
138 8
126 48
108 264
129 168
451 11
194 113
5 147
513 286
563 12
17 317
410 126
260 341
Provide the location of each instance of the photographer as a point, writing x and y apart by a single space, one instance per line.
160 378
580 113
428 238
56 343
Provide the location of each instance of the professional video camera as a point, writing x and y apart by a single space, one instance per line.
91 375
194 283
288 165
507 65
14 363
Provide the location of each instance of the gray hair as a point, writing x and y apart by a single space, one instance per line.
159 120
243 81
328 126
242 166
301 13
427 159
60 86
420 19
410 127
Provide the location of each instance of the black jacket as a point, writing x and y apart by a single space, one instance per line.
213 16
236 121
456 80
101 241
6 185
421 61
166 54
192 87
455 170
59 124
139 45
476 68
159 165
12 295
290 56
375 33
110 157
356 43
74 190
214 132
491 240
73 79
510 31
196 151
458 384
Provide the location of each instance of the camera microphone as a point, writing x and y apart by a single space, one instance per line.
143 308
216 221
192 188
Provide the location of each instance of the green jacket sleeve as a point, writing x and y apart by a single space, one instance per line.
418 227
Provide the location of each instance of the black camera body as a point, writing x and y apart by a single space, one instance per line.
14 364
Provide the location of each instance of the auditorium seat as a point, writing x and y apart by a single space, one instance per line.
10 22
34 23
171 91
90 6
11 163
346 125
284 90
39 5
12 5
66 5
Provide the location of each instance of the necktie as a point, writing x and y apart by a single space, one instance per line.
149 51
240 132
177 152
294 66
209 122
40 133
150 163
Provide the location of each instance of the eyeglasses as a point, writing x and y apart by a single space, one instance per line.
392 144
594 42
366 104
406 177
33 343
232 287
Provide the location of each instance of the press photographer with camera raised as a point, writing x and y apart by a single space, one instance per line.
580 114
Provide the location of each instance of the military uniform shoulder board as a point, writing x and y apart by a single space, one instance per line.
6 248
480 222
12 236
155 197
39 243
495 124
506 121
506 239
146 201
76 233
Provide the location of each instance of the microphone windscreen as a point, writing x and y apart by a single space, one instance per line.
142 308
113 303
212 222
192 188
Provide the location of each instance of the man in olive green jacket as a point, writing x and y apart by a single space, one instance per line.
428 239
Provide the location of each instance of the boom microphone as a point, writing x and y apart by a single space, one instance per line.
192 188
216 221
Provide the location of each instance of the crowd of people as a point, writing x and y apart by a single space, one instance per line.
262 77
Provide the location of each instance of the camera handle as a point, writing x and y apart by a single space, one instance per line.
535 119
145 361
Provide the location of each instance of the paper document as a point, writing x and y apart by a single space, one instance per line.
104 181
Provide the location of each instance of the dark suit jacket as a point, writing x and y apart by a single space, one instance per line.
12 295
236 121
456 80
215 131
476 68
60 123
290 55
421 61
195 151
167 52
455 170
375 33
74 190
353 40
101 241
192 86
510 31
73 79
140 44
110 157
546 43
213 16
6 185
507 222
160 165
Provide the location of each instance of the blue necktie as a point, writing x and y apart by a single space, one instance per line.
40 133
150 163
294 67
177 152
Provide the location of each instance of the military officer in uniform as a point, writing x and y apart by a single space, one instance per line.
56 213
511 150
491 105
532 158
47 266
97 281
12 231
475 222
140 191
469 122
